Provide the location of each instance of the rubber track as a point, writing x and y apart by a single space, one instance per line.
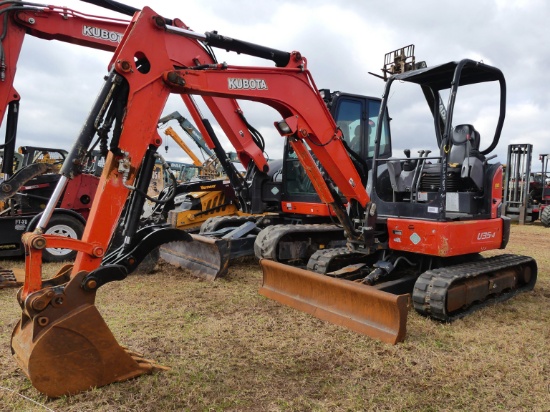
214 223
320 260
430 289
265 246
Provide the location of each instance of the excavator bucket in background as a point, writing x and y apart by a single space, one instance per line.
359 307
67 347
11 278
205 257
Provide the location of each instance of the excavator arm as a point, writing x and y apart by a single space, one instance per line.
67 25
188 127
49 23
176 138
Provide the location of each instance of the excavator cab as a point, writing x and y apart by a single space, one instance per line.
357 117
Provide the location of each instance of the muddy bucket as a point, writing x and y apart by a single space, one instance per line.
359 307
205 257
64 346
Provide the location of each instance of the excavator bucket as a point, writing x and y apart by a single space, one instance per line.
205 257
11 278
64 346
359 307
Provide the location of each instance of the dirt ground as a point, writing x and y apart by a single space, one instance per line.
229 348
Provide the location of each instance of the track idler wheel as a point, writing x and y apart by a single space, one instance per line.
64 346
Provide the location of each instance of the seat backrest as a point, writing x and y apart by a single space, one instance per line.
465 139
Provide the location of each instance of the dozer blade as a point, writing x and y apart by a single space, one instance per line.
205 257
11 278
65 346
359 307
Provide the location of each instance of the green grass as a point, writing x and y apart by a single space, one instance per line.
231 349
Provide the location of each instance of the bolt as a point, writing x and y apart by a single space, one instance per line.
38 243
125 66
159 21
173 77
31 20
91 284
98 251
43 321
39 305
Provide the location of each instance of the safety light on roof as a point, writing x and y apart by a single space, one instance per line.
420 65
325 93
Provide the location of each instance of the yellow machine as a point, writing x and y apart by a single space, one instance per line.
210 195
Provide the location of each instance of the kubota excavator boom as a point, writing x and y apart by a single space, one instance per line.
21 18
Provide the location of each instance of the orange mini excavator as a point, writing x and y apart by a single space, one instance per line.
413 226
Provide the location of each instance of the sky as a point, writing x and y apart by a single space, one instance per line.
342 40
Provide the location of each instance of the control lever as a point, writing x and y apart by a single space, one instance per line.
422 155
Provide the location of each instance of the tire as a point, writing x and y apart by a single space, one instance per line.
62 225
545 216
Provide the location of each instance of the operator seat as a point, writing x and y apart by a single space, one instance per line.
355 141
465 153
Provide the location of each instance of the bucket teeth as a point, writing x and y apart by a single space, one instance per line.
146 364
